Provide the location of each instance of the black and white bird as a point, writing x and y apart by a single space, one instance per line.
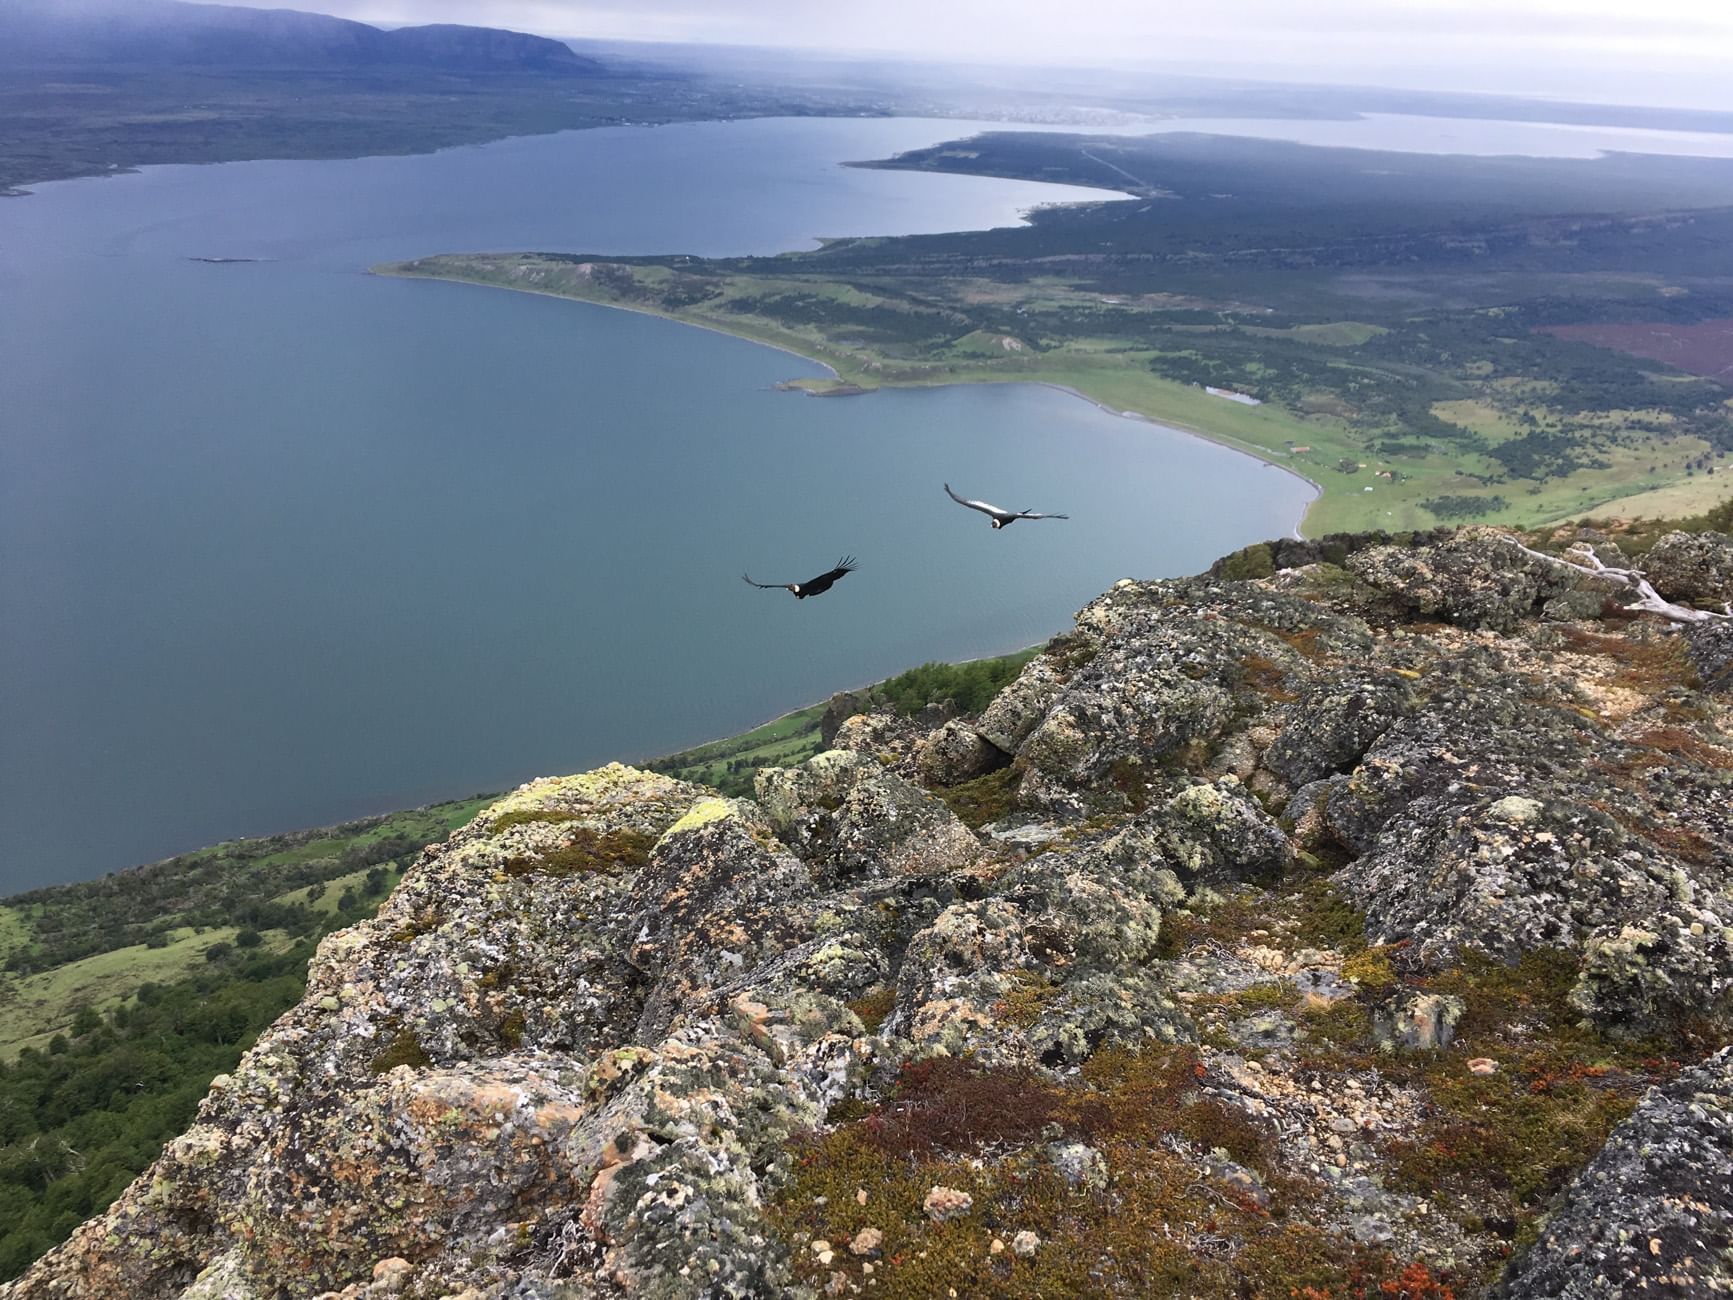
812 586
1000 518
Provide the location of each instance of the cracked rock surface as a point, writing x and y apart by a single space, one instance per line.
1364 925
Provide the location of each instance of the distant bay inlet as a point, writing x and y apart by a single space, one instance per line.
393 543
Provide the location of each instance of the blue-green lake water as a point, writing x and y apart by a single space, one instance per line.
283 544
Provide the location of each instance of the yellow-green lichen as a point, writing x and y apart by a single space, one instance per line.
702 813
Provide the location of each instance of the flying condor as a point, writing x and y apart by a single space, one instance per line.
812 586
1000 518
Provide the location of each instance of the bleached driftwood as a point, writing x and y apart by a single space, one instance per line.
1649 601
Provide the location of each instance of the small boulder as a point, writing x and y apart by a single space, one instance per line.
1333 727
842 706
946 1203
1419 1022
1082 1167
1710 646
956 753
1018 709
1696 568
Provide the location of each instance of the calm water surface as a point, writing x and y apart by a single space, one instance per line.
281 543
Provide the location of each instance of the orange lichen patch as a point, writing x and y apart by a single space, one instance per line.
1676 742
1305 643
1644 663
1267 679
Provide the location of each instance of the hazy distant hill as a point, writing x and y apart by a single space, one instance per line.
168 33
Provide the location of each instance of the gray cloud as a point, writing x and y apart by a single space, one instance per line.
1670 51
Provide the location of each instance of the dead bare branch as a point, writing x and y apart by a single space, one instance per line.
1649 600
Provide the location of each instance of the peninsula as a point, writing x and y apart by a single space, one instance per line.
1407 326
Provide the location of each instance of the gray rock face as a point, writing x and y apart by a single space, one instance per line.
1696 568
1711 647
956 753
1473 579
1653 1212
1018 709
1169 667
1477 823
841 707
1332 727
584 1044
843 811
1208 834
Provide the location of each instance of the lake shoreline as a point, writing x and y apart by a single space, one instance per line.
857 388
385 272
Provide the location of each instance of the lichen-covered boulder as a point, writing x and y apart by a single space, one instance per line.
788 794
1711 649
1334 725
1676 966
1162 680
717 898
837 710
1211 835
1420 1022
1475 578
1018 709
1652 1214
1499 818
1047 968
1696 568
955 753
844 812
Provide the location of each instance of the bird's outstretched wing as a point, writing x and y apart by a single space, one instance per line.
1031 514
985 507
845 565
765 586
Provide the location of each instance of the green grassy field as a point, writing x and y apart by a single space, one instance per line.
14 931
37 1007
323 898
1370 470
728 765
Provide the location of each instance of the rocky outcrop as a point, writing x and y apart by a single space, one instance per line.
957 752
1324 926
1472 579
1653 1212
1693 567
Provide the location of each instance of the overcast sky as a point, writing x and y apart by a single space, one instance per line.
1659 51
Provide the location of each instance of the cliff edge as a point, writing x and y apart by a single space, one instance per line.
1357 929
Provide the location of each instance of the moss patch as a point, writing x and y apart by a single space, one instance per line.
530 817
1029 996
403 1049
588 852
985 799
1157 1229
873 1007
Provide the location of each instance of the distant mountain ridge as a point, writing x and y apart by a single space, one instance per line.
170 33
